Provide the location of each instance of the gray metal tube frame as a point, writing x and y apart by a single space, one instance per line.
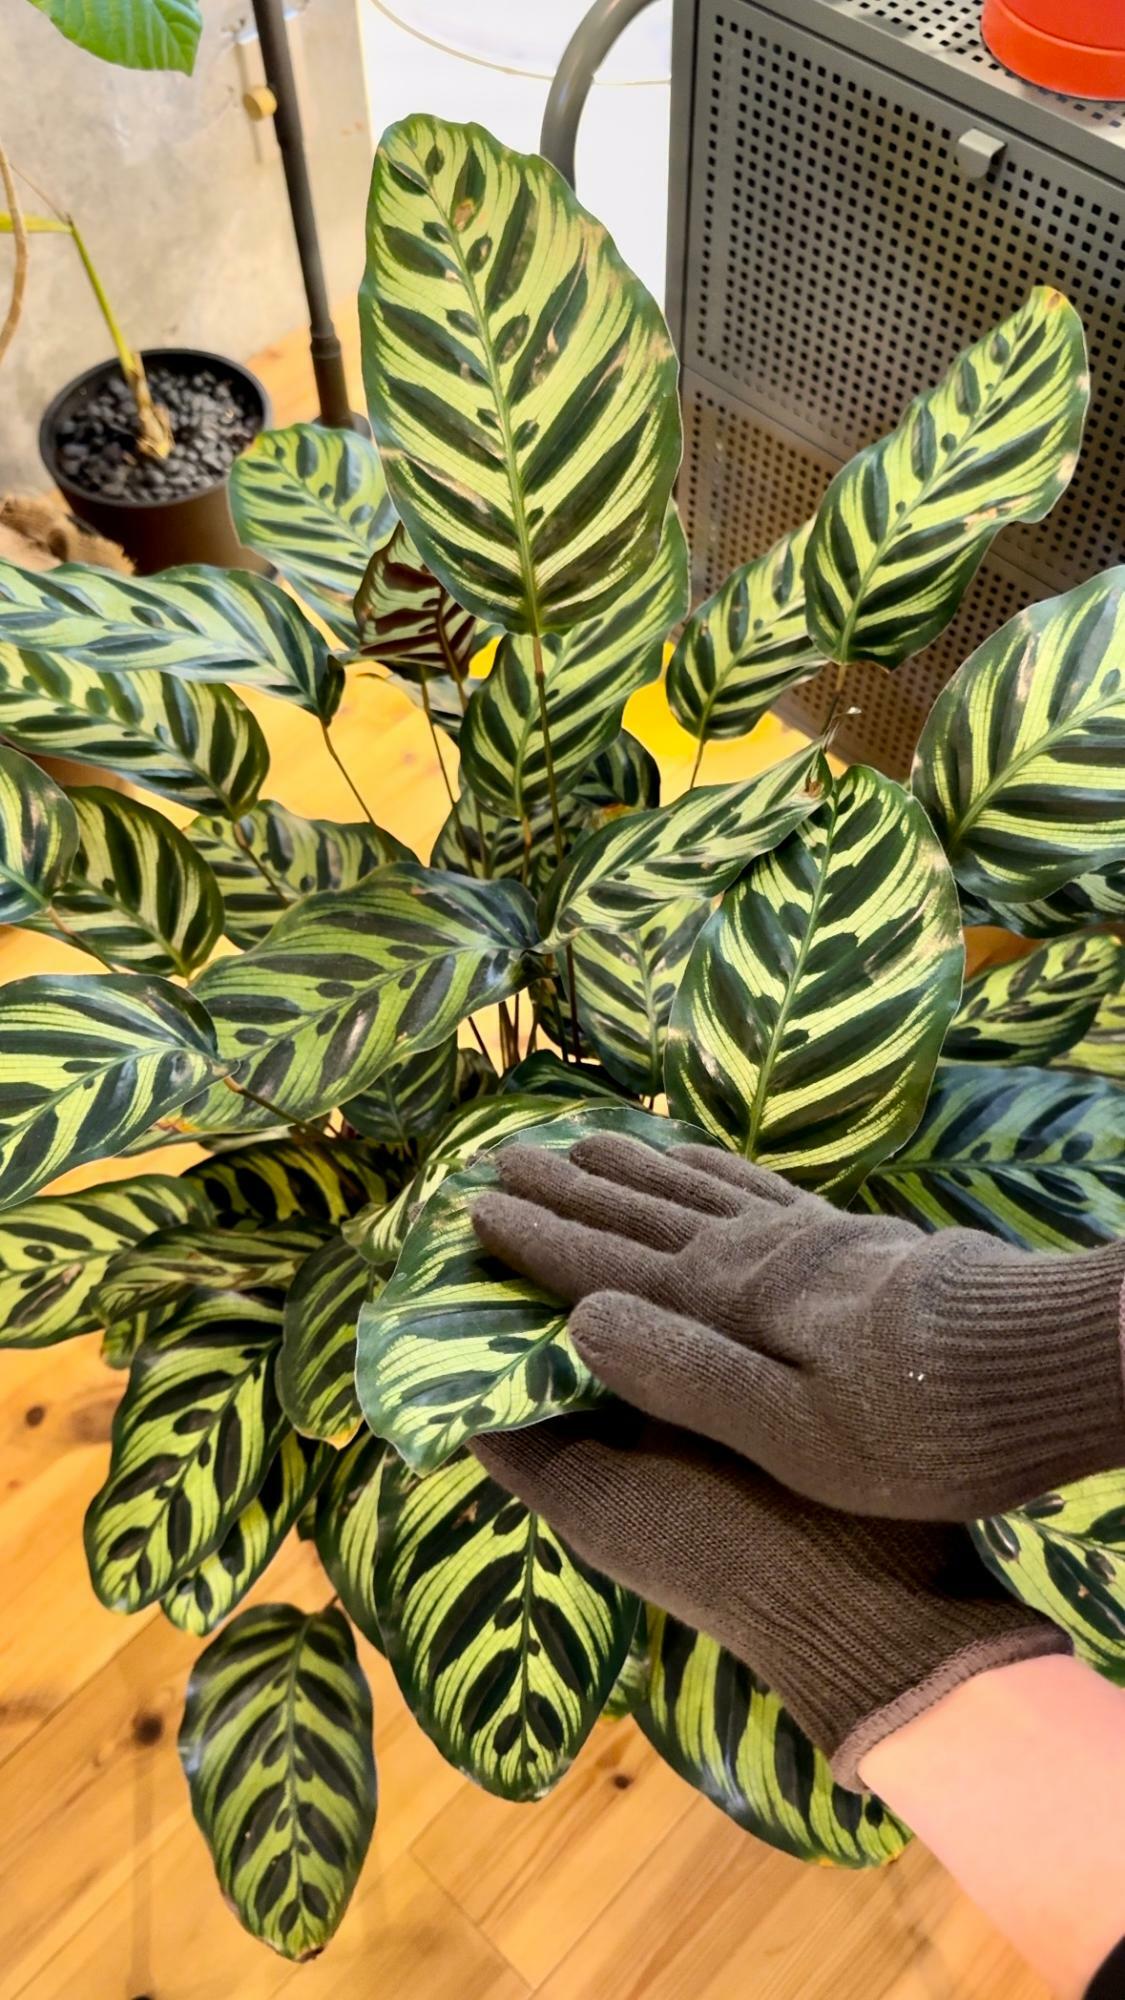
585 52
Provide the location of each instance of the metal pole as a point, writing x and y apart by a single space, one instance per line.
327 355
585 52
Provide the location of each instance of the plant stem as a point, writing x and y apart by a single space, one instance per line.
478 1038
450 794
276 1111
154 432
240 841
556 825
697 763
81 944
19 242
346 775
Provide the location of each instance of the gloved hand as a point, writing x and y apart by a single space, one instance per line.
858 1625
863 1362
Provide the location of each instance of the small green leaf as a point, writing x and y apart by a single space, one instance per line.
1064 1555
137 894
1032 1009
282 1181
410 1100
272 857
407 621
38 837
314 502
195 1256
137 34
316 1367
1102 1048
626 982
207 1595
347 1529
746 646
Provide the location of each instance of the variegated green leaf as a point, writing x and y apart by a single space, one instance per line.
314 502
902 529
1064 1554
347 1529
88 1063
1036 1007
745 646
1102 1048
696 847
283 1181
54 1251
410 1099
195 1256
316 1367
217 1118
208 1594
199 623
631 1685
38 836
719 1727
271 857
137 894
352 980
186 740
276 1746
520 380
547 1074
1088 901
192 1436
505 1644
407 620
1021 764
626 982
579 681
1036 1156
807 1026
457 1345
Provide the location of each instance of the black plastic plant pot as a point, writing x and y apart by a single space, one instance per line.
165 528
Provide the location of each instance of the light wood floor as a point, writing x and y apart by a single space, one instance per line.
624 1885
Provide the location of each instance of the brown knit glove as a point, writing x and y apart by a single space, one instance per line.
858 1625
864 1363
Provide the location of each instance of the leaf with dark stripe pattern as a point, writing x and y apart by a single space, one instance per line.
1102 1048
347 1529
88 1063
696 847
626 982
352 980
200 623
207 1595
1064 1555
55 1250
314 502
137 894
192 1436
719 1727
903 528
808 1023
1033 1008
195 1256
195 743
410 1099
1088 900
505 1644
283 1181
1033 1155
408 621
457 1345
524 403
276 1746
1021 764
746 646
588 675
38 836
278 857
316 1367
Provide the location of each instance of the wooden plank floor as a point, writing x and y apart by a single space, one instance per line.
624 1885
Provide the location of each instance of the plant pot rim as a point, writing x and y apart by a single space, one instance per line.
199 357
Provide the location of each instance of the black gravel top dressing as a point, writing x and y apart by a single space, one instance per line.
96 440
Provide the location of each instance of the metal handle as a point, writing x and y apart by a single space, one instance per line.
585 52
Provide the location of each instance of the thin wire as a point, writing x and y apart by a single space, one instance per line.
510 69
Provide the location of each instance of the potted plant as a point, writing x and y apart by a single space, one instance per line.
312 1332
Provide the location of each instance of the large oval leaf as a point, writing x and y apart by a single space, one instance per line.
38 837
202 624
408 621
720 1727
520 380
1021 764
276 1746
1064 1554
347 1529
283 1181
1032 1155
54 1251
816 1000
192 1436
505 1644
1034 1008
88 1063
456 1344
316 1366
314 502
271 857
745 646
187 740
626 982
137 894
138 34
587 676
903 527
621 873
202 1598
352 980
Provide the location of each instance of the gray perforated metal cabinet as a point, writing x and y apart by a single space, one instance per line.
858 190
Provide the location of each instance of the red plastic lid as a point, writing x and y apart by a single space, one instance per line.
1076 47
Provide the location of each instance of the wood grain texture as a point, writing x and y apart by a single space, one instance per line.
624 1885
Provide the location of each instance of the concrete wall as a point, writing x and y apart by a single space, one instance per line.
180 197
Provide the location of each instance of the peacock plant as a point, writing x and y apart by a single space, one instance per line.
313 1334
